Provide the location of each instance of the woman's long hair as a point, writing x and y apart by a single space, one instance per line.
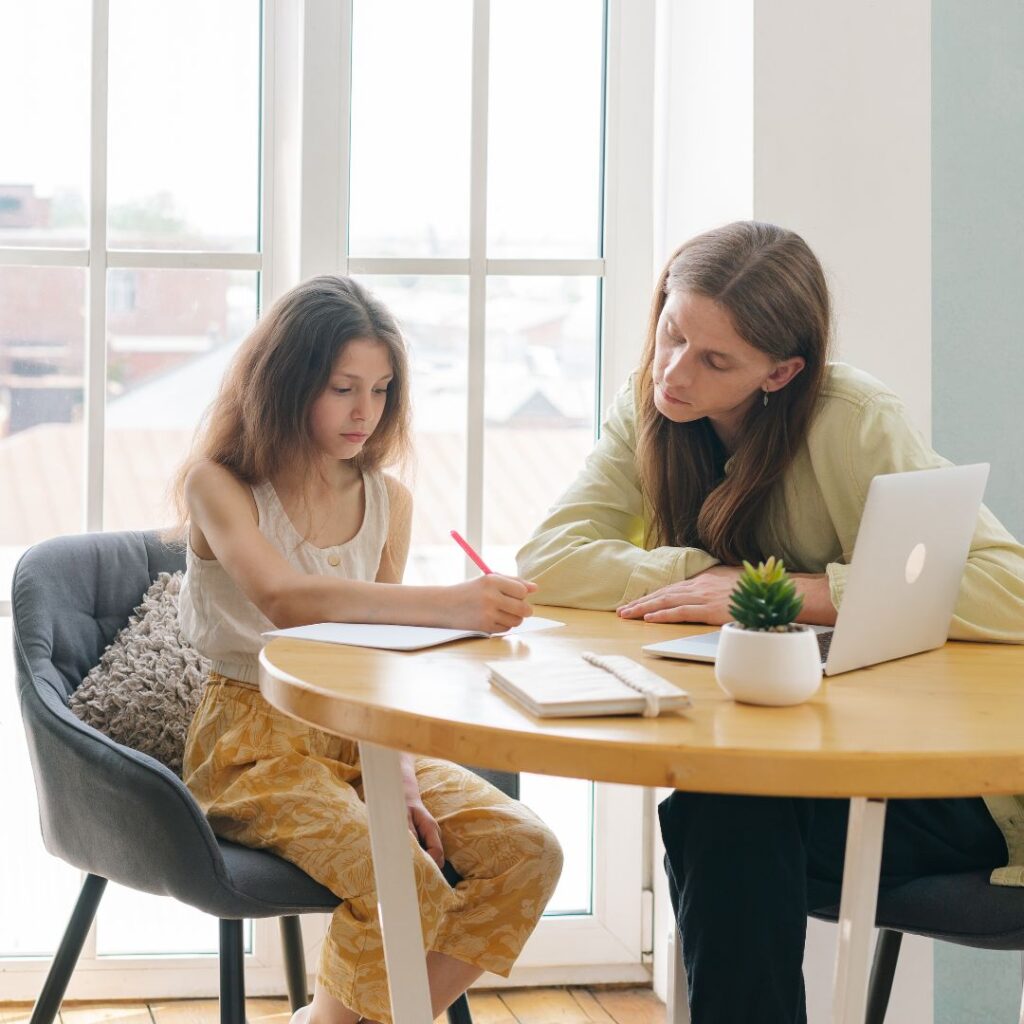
259 421
774 291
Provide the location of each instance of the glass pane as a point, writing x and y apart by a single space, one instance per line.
170 927
544 147
184 124
567 806
42 345
411 71
170 336
37 891
540 397
44 122
539 403
433 313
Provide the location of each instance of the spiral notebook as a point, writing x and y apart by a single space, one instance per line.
592 684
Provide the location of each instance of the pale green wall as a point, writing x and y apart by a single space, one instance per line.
978 242
978 335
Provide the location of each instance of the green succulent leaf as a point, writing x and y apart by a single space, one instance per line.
765 597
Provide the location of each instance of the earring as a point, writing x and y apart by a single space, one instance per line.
765 400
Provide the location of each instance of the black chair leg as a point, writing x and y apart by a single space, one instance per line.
458 1012
63 966
883 968
294 961
232 972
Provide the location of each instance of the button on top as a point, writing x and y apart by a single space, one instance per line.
333 559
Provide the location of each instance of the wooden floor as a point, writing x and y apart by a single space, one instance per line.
514 1006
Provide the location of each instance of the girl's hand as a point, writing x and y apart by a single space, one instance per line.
421 821
703 598
491 603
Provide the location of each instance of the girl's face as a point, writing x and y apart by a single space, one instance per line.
703 368
348 410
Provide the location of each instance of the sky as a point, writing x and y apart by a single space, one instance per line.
184 116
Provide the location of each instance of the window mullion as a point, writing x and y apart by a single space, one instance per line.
96 303
265 229
325 100
344 187
182 259
32 257
628 182
476 360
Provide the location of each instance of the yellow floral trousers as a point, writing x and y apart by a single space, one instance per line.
267 781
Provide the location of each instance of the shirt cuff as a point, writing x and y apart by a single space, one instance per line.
665 565
836 573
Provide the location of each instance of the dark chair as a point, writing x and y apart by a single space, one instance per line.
116 813
963 908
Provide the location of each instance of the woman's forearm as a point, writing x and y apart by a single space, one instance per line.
818 609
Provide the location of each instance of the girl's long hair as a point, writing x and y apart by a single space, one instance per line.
774 290
259 421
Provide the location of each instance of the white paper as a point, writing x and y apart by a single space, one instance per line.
397 638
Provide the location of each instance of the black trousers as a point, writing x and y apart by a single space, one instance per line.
745 871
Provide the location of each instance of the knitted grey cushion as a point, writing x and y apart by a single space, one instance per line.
149 681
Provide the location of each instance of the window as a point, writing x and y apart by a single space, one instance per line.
236 150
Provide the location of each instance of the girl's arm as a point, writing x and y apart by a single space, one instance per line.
588 552
222 510
396 547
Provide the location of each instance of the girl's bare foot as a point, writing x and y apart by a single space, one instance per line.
324 1009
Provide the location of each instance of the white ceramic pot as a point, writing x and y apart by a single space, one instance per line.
768 668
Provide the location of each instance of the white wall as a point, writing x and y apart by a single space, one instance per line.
842 154
815 116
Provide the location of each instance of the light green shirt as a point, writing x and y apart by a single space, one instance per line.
588 552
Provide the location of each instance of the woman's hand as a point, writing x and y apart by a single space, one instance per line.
491 603
702 598
705 598
421 821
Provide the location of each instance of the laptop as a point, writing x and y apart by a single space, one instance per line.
904 576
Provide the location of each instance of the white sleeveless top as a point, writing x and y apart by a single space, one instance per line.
225 626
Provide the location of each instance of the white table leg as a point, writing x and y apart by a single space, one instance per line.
397 903
857 909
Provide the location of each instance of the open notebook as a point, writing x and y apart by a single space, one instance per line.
397 638
592 684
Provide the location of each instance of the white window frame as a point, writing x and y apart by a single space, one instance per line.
304 206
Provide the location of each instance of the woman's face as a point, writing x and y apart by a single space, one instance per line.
703 368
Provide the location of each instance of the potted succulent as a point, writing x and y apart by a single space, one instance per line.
764 657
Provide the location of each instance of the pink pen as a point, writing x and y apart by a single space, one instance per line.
477 560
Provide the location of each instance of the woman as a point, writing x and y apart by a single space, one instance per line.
738 439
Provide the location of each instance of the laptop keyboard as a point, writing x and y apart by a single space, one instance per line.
824 643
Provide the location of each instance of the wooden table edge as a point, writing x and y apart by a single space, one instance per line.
797 773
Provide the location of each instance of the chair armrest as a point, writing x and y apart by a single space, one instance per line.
114 811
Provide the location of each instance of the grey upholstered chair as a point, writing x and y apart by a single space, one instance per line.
116 813
963 908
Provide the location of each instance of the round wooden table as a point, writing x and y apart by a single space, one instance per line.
944 723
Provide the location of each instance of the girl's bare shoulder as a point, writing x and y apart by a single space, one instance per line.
213 488
398 493
210 479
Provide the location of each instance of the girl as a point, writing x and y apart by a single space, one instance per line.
735 439
289 520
